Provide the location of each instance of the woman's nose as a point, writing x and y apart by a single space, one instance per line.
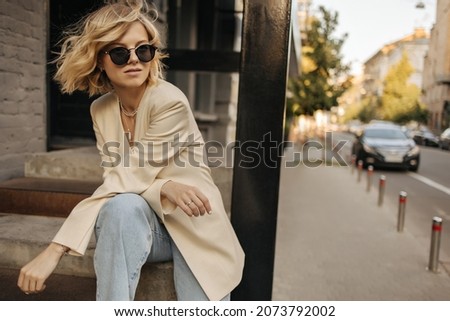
133 57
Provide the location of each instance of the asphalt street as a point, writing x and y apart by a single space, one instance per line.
335 243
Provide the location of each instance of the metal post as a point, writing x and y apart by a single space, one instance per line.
369 177
401 211
360 167
436 229
262 86
381 189
353 163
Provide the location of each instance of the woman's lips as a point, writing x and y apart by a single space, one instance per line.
133 71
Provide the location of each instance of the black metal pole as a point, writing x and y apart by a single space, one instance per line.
259 140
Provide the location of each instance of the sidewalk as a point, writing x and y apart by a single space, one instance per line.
335 243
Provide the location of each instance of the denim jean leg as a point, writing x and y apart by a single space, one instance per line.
186 285
124 239
161 249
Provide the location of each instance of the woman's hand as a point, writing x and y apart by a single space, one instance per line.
33 275
188 198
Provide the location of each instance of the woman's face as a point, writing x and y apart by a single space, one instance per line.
134 73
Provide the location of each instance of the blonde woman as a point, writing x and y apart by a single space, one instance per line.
157 201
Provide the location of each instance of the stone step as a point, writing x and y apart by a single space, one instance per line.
77 163
43 196
59 288
22 237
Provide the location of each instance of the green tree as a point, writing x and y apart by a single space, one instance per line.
324 77
364 110
368 109
400 101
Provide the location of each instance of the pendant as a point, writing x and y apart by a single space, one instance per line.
128 134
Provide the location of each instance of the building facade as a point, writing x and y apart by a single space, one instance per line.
436 75
23 101
377 67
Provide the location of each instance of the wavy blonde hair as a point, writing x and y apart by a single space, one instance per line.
78 61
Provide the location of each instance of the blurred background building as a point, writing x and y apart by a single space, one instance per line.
376 67
436 74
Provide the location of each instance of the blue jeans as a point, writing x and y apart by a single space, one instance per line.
128 235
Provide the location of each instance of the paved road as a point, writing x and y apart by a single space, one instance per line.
428 195
335 243
428 191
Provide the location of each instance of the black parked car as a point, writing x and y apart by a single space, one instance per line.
383 145
423 136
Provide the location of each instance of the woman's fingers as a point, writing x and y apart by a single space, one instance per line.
30 283
188 198
184 205
199 203
40 286
33 275
21 281
205 207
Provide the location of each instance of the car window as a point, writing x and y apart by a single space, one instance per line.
386 133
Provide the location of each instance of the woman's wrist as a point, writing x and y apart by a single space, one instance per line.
59 248
163 188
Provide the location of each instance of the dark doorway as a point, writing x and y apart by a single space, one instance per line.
69 118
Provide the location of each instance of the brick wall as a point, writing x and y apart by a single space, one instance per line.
23 31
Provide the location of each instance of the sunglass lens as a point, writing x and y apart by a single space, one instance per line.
145 53
119 56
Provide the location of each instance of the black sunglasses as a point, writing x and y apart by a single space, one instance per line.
121 55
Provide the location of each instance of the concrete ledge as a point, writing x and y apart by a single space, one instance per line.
22 237
79 163
156 283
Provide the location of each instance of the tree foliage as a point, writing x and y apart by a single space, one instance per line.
400 101
368 109
324 77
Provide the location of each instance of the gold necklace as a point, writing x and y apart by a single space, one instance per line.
127 113
128 132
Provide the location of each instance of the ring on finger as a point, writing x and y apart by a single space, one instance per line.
188 203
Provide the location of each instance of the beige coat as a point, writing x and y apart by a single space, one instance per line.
169 147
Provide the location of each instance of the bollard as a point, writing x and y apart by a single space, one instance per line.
381 189
360 167
369 177
353 163
401 211
436 229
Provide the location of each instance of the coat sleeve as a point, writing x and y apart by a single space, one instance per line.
105 159
76 231
172 135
